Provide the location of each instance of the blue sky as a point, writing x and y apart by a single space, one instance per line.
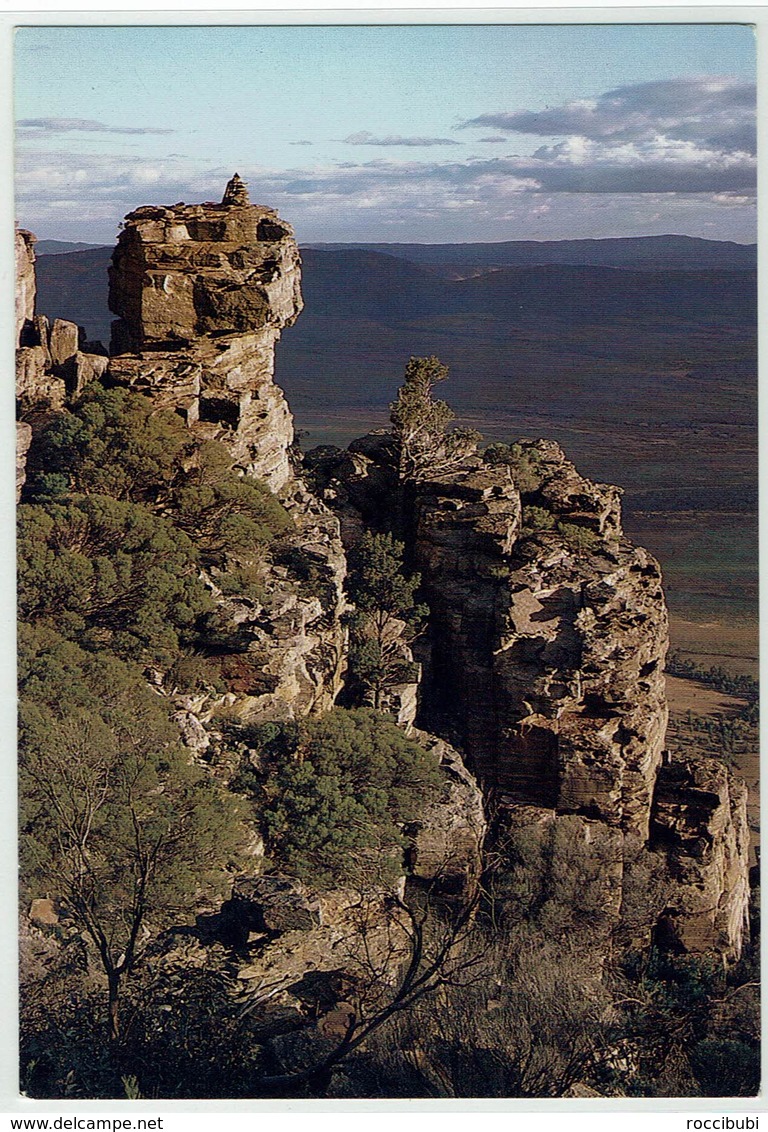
418 133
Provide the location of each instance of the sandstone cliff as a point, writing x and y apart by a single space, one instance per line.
547 635
545 659
203 292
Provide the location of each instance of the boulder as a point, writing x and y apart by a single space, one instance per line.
272 904
63 342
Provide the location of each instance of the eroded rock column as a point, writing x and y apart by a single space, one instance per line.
202 292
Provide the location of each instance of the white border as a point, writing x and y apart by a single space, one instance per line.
190 1115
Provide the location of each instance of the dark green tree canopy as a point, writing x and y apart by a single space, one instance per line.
116 819
377 583
113 442
385 600
335 793
110 573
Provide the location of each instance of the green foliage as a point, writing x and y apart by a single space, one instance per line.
194 673
384 598
116 820
524 462
377 584
110 573
726 1068
125 507
578 538
223 512
336 792
420 423
114 442
537 519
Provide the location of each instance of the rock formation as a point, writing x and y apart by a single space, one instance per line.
543 663
545 651
202 293
284 654
52 364
25 280
700 818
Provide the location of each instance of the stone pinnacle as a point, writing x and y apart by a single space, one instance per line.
236 192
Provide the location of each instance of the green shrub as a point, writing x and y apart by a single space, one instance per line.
524 463
579 538
244 579
537 519
336 793
113 442
110 573
384 596
225 514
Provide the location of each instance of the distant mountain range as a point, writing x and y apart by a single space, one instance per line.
639 252
567 280
62 247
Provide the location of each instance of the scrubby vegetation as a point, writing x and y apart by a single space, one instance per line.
426 443
333 795
121 513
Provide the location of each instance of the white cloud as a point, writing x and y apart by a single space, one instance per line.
45 126
717 113
85 196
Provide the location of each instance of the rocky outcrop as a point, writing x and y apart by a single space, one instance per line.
547 630
360 484
182 272
283 653
269 905
203 292
23 441
545 654
300 957
700 819
446 844
545 651
25 281
51 367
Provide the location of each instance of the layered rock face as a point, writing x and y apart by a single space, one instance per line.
545 655
700 818
25 280
545 659
202 293
285 654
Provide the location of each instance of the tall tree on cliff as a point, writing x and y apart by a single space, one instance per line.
421 424
387 615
